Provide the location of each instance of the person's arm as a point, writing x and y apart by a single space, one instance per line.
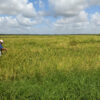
4 49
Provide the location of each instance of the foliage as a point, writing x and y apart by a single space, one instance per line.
50 68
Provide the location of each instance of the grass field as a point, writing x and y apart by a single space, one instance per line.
50 68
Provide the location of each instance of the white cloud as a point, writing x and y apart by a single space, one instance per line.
81 18
62 17
28 21
78 24
93 2
67 7
16 7
95 18
8 21
18 24
65 25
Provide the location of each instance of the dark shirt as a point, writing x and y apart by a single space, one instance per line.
1 47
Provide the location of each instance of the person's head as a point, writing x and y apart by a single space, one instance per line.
1 41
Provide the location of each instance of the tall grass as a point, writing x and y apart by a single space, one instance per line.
50 68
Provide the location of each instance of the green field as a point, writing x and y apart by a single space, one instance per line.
50 68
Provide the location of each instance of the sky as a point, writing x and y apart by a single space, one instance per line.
49 16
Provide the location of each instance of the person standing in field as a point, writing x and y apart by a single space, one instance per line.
1 47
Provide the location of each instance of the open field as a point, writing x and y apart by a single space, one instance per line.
50 68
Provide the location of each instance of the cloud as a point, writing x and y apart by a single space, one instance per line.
60 17
78 24
28 21
17 7
65 25
81 18
67 8
18 21
95 18
18 25
93 2
8 21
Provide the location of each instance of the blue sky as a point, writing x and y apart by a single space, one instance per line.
93 9
49 16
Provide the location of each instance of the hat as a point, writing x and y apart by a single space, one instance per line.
1 41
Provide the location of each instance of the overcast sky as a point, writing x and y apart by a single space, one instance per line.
49 16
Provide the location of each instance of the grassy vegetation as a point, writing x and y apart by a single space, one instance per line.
50 68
